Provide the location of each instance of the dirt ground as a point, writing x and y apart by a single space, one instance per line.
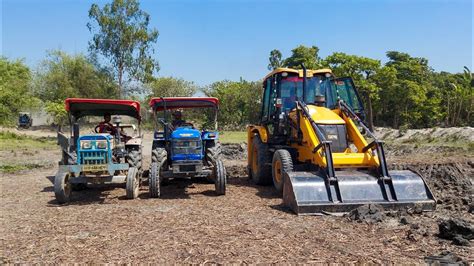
247 225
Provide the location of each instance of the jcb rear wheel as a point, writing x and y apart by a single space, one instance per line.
260 169
220 178
62 187
281 163
133 183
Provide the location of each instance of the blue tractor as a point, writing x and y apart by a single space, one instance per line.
109 153
182 151
24 120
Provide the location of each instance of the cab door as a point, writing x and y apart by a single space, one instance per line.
346 91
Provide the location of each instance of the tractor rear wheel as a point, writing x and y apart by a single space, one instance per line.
62 187
281 163
220 178
260 162
213 154
154 184
133 183
134 159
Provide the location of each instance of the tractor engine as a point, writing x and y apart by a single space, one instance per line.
186 150
95 149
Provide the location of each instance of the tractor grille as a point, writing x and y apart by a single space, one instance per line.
187 146
187 168
93 157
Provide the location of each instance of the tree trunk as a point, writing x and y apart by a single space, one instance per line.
120 77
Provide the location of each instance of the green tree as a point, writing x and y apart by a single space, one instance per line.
239 102
171 87
275 60
408 99
61 76
15 78
302 54
362 70
123 36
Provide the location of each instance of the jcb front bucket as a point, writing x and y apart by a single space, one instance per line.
308 193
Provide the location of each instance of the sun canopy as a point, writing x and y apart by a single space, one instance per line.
80 107
158 104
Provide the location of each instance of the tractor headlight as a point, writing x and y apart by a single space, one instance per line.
86 145
101 144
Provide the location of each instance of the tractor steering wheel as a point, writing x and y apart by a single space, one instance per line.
107 128
186 124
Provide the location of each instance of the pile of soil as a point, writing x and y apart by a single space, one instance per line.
451 183
457 230
234 151
370 213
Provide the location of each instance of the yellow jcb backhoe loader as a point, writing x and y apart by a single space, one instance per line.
309 144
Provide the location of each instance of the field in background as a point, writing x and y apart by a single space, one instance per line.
233 136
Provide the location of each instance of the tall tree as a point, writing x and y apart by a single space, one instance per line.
275 60
122 35
408 97
171 87
240 102
362 70
15 79
62 75
302 54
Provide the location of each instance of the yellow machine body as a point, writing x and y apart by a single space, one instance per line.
333 166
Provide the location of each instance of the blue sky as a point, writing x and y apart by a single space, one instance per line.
205 41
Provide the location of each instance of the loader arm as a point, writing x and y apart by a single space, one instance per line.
335 187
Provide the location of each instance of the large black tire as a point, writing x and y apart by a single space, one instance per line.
220 178
260 170
133 183
213 152
159 155
154 183
134 159
62 187
281 163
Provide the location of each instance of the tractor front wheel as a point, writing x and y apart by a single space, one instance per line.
62 187
133 183
220 178
282 163
154 180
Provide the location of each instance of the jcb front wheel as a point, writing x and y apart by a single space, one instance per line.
133 183
220 178
281 163
62 187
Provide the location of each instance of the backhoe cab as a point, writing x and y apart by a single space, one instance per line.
308 144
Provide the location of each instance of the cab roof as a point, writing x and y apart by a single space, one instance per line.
309 72
159 103
79 107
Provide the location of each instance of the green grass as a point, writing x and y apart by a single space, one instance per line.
233 136
12 141
13 168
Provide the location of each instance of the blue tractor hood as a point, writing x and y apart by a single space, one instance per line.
186 133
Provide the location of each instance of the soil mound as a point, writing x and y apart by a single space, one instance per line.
370 213
445 258
457 230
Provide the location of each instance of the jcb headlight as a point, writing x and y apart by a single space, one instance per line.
101 144
86 145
